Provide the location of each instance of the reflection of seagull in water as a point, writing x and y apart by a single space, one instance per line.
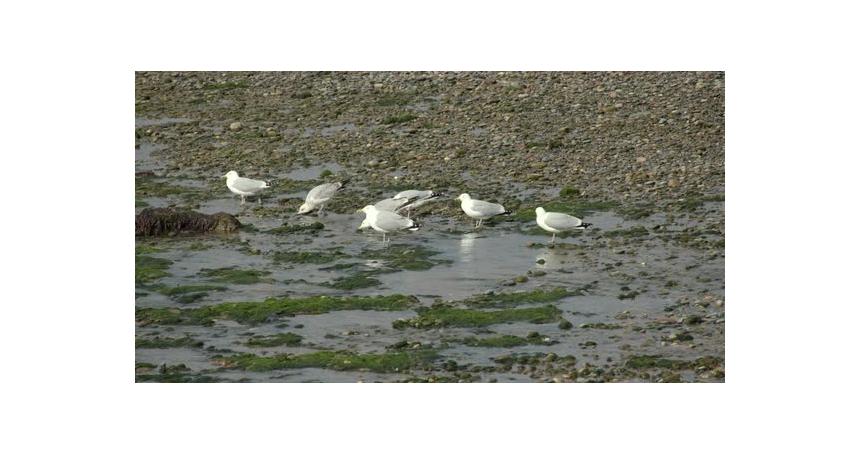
467 246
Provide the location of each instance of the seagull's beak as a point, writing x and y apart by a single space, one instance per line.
359 211
224 176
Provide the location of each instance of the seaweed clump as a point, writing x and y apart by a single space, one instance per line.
171 221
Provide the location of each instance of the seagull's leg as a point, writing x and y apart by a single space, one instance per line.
243 199
553 238
260 199
321 210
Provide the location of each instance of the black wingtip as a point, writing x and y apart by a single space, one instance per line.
507 212
414 226
435 194
585 225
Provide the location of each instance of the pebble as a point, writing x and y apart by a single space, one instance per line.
235 126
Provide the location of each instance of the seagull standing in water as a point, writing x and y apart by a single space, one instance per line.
480 210
387 222
318 196
556 222
244 186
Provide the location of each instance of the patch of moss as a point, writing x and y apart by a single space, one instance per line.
506 341
166 342
600 325
445 316
311 228
694 201
393 100
306 257
636 212
636 231
146 249
389 362
280 339
356 281
513 299
148 269
189 289
399 118
256 312
235 276
656 361
325 173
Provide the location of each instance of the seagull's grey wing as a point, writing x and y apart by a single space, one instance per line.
414 194
391 204
248 185
487 208
393 222
417 203
561 221
322 193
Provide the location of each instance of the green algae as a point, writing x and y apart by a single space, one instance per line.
356 281
656 361
234 276
513 299
257 312
166 342
189 289
636 231
148 269
600 326
280 339
306 257
389 362
399 118
287 228
446 316
506 341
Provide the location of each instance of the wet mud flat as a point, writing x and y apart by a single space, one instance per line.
637 297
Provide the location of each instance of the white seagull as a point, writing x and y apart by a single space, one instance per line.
418 198
243 186
480 210
558 222
387 222
318 196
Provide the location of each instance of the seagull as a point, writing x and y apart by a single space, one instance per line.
558 222
418 198
480 210
318 196
392 204
387 222
387 205
243 186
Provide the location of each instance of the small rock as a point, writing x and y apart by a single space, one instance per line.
521 279
235 126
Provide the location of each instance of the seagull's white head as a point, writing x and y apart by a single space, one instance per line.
540 211
305 208
230 175
463 197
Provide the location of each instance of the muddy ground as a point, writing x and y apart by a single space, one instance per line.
637 297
